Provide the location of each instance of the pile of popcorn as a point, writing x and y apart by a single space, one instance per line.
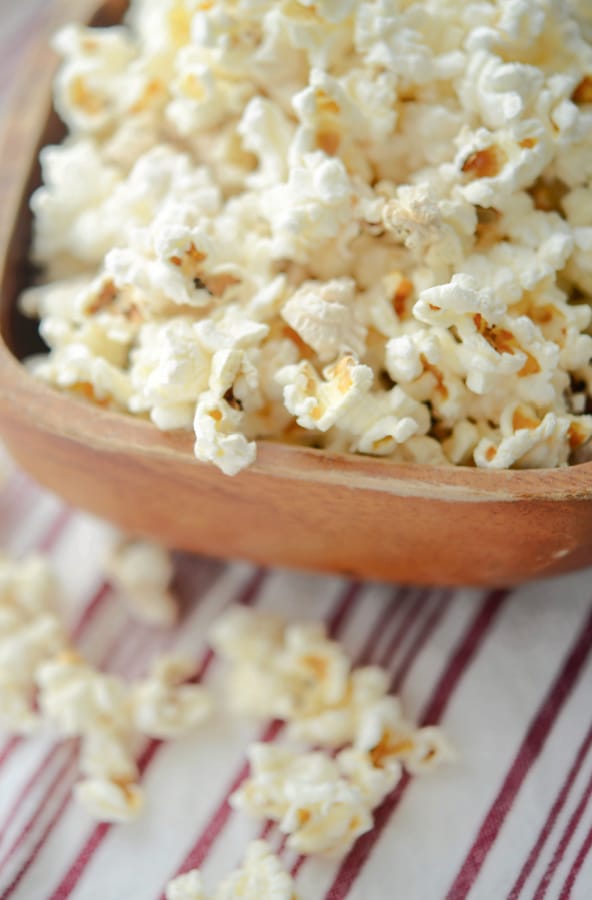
293 672
362 225
46 684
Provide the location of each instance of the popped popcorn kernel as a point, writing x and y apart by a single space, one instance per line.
261 875
384 207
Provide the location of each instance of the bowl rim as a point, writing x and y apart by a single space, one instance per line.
64 415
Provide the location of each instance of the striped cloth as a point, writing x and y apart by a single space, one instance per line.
507 673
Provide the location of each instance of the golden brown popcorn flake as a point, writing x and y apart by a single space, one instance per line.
490 453
576 436
435 371
69 657
180 24
485 163
503 341
486 231
402 293
104 299
520 420
84 98
192 87
216 415
303 816
342 372
547 194
86 390
528 143
152 92
232 400
326 104
328 141
390 745
317 664
583 91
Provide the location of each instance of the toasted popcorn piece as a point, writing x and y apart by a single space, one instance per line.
373 782
246 635
325 818
142 571
30 635
430 750
188 886
337 723
77 698
320 404
217 438
320 811
323 315
384 421
314 206
108 755
261 875
110 801
88 87
526 440
167 710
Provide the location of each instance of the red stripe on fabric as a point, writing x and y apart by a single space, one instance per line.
219 818
416 606
27 788
67 763
36 848
247 597
578 862
55 531
90 611
527 755
217 822
552 817
566 838
8 749
462 657
424 634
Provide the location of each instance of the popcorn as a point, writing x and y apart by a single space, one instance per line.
109 801
320 811
362 226
320 404
30 635
323 316
188 886
165 709
142 571
261 875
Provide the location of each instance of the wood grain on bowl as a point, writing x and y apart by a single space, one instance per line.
296 507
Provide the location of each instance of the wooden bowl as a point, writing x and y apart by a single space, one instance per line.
295 507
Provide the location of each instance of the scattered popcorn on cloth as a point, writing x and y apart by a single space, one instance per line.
295 673
142 572
261 877
363 226
46 685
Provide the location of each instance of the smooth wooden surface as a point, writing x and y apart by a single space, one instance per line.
295 507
